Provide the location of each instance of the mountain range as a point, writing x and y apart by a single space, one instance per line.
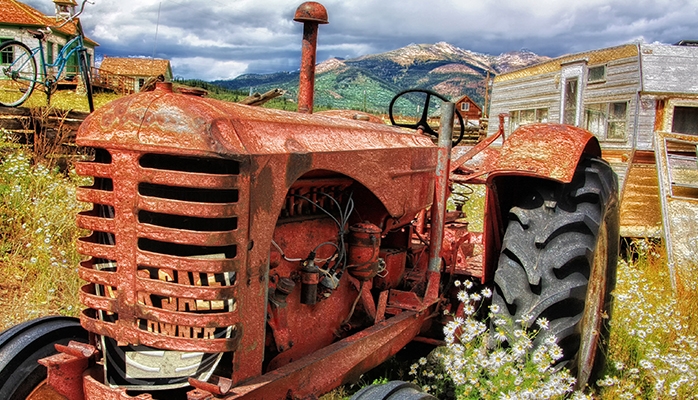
369 82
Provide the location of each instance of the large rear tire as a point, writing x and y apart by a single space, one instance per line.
17 73
558 261
23 345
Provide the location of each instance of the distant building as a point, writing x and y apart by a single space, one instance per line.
17 17
140 69
469 110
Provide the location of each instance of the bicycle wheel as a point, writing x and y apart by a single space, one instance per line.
85 71
17 73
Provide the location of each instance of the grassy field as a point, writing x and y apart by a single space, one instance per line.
653 349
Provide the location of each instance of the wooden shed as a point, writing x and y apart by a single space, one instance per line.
138 69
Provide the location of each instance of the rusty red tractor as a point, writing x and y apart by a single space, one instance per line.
242 252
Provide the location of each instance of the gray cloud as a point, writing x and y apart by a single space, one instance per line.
220 39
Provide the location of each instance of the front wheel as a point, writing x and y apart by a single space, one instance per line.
558 262
22 346
17 73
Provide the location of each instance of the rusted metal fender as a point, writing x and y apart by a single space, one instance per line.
545 151
550 151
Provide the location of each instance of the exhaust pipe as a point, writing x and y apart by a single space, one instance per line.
311 14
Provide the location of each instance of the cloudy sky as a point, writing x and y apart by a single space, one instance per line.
221 39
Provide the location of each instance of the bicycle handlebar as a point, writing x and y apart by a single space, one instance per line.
72 17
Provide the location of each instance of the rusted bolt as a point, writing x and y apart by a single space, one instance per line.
310 14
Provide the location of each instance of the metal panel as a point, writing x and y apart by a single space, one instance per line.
669 69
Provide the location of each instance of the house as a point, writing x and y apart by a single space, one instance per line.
139 69
631 97
17 17
469 110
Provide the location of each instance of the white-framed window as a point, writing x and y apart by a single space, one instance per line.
597 74
7 56
465 106
607 121
570 101
528 116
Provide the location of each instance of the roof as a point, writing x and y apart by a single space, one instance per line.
593 57
135 66
13 12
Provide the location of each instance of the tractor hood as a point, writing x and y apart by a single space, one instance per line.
168 122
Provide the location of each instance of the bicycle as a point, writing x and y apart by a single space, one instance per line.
18 74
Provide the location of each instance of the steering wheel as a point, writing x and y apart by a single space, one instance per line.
423 120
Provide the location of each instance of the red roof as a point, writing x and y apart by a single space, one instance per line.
12 12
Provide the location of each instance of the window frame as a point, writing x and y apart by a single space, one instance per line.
540 114
606 120
602 79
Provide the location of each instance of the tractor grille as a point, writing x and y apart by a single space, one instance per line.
165 250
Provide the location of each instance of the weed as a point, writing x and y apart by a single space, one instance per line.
37 237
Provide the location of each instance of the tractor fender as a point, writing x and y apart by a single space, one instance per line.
549 151
541 151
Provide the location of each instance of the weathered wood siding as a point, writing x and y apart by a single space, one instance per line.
646 114
537 91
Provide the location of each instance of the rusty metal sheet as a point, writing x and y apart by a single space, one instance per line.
677 164
546 150
172 121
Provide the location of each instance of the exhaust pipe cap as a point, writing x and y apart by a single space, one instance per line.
311 11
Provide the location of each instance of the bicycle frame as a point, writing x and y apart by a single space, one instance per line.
60 62
62 57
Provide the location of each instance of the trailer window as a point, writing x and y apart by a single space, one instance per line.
685 120
570 104
597 74
530 116
607 121
617 118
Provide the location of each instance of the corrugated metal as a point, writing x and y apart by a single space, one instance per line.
670 69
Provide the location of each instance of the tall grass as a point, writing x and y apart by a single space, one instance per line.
653 351
68 100
37 237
